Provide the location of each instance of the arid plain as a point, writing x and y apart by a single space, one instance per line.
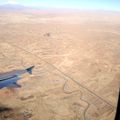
77 65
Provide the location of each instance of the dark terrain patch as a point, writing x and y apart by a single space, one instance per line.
14 114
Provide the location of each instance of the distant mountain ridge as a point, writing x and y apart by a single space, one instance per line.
22 8
41 9
13 7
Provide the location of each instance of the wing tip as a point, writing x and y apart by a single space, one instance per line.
29 70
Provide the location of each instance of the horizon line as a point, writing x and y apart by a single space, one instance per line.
51 7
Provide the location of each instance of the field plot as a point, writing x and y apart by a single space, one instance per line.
77 65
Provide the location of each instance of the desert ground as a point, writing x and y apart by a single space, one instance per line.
77 65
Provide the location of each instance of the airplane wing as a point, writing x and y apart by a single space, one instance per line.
10 82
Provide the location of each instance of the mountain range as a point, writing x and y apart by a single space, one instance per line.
21 8
11 7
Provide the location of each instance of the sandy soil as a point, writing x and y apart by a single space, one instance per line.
77 65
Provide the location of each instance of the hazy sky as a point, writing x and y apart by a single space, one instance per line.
79 4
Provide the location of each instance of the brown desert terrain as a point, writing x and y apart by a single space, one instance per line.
77 65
